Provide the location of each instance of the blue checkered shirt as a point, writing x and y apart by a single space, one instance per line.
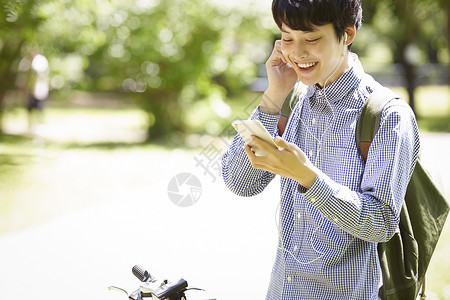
328 234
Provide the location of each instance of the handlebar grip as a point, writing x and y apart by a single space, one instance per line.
142 274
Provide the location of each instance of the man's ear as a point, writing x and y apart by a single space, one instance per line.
351 33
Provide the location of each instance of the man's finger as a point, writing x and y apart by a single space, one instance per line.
248 151
262 144
283 144
254 160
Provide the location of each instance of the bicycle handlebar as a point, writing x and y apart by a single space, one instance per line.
158 290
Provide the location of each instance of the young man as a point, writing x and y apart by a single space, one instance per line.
334 208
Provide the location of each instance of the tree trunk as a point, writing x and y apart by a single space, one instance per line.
447 8
2 97
408 30
8 70
410 76
165 116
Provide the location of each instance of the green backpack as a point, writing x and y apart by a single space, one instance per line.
404 259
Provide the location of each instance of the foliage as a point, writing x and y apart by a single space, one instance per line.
17 21
166 54
396 23
414 31
173 55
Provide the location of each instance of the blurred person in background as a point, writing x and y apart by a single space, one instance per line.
37 88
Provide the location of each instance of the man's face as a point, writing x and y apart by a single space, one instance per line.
315 55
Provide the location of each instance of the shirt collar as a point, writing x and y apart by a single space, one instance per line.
343 85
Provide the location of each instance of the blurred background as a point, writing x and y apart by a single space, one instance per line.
103 104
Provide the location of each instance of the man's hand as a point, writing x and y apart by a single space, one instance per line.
282 76
287 161
282 79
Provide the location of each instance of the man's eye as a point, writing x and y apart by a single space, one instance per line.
312 40
287 40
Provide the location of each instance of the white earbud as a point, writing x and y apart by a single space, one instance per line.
345 41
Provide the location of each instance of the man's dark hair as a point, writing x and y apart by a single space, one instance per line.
305 14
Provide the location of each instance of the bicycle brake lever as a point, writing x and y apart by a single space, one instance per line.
115 288
150 287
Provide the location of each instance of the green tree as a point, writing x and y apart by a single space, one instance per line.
414 30
445 6
18 18
173 54
166 54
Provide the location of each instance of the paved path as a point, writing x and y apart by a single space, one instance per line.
221 241
224 243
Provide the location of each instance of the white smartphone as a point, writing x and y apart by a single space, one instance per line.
247 128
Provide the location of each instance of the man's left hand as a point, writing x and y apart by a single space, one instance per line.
288 160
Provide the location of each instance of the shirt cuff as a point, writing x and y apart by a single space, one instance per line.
269 121
320 191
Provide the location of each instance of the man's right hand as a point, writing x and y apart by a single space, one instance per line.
282 79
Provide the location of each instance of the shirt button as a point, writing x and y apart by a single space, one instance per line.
289 278
295 248
310 153
313 200
313 121
299 215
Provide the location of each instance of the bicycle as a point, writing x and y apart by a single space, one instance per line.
156 289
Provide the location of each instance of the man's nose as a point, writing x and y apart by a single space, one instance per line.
298 52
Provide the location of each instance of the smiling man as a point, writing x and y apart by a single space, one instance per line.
334 207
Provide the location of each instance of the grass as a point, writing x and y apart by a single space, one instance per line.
432 107
87 155
28 164
42 180
78 159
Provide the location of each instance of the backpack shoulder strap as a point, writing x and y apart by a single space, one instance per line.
369 120
289 102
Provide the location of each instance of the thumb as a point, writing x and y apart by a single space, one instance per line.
283 144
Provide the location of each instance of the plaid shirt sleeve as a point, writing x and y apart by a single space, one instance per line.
373 214
237 172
